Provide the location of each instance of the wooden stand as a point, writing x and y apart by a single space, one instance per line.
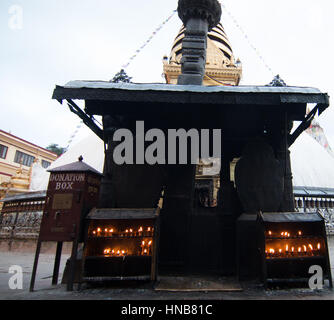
55 274
72 192
291 266
135 266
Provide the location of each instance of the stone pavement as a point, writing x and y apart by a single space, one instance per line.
45 291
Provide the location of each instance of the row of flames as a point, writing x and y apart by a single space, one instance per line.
146 249
305 250
284 234
130 232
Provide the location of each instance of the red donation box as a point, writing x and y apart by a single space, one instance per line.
73 191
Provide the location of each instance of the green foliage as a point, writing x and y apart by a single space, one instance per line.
53 147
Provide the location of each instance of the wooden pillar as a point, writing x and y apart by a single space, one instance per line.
73 261
288 201
33 275
155 250
57 263
107 192
227 194
283 156
226 186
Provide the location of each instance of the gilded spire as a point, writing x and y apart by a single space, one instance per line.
221 67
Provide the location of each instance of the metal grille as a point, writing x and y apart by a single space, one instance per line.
20 225
21 219
323 205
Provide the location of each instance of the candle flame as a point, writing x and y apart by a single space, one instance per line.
106 251
310 246
286 248
98 229
305 248
119 252
319 246
299 249
111 230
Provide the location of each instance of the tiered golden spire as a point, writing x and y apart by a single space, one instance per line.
221 66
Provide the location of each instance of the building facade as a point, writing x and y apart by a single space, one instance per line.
16 159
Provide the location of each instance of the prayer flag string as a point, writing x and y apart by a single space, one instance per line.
154 33
247 39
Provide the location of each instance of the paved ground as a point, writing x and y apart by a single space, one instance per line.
45 291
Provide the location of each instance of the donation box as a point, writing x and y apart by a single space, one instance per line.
73 191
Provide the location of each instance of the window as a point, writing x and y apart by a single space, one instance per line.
3 151
45 164
23 158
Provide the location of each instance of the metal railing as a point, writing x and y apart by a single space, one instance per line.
20 225
322 205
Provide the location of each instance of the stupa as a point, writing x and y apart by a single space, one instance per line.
221 67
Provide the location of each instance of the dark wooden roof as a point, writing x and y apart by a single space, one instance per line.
240 111
36 195
280 217
78 166
190 94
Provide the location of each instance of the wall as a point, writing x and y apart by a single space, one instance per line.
7 166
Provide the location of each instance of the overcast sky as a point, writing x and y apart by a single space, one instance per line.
64 40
